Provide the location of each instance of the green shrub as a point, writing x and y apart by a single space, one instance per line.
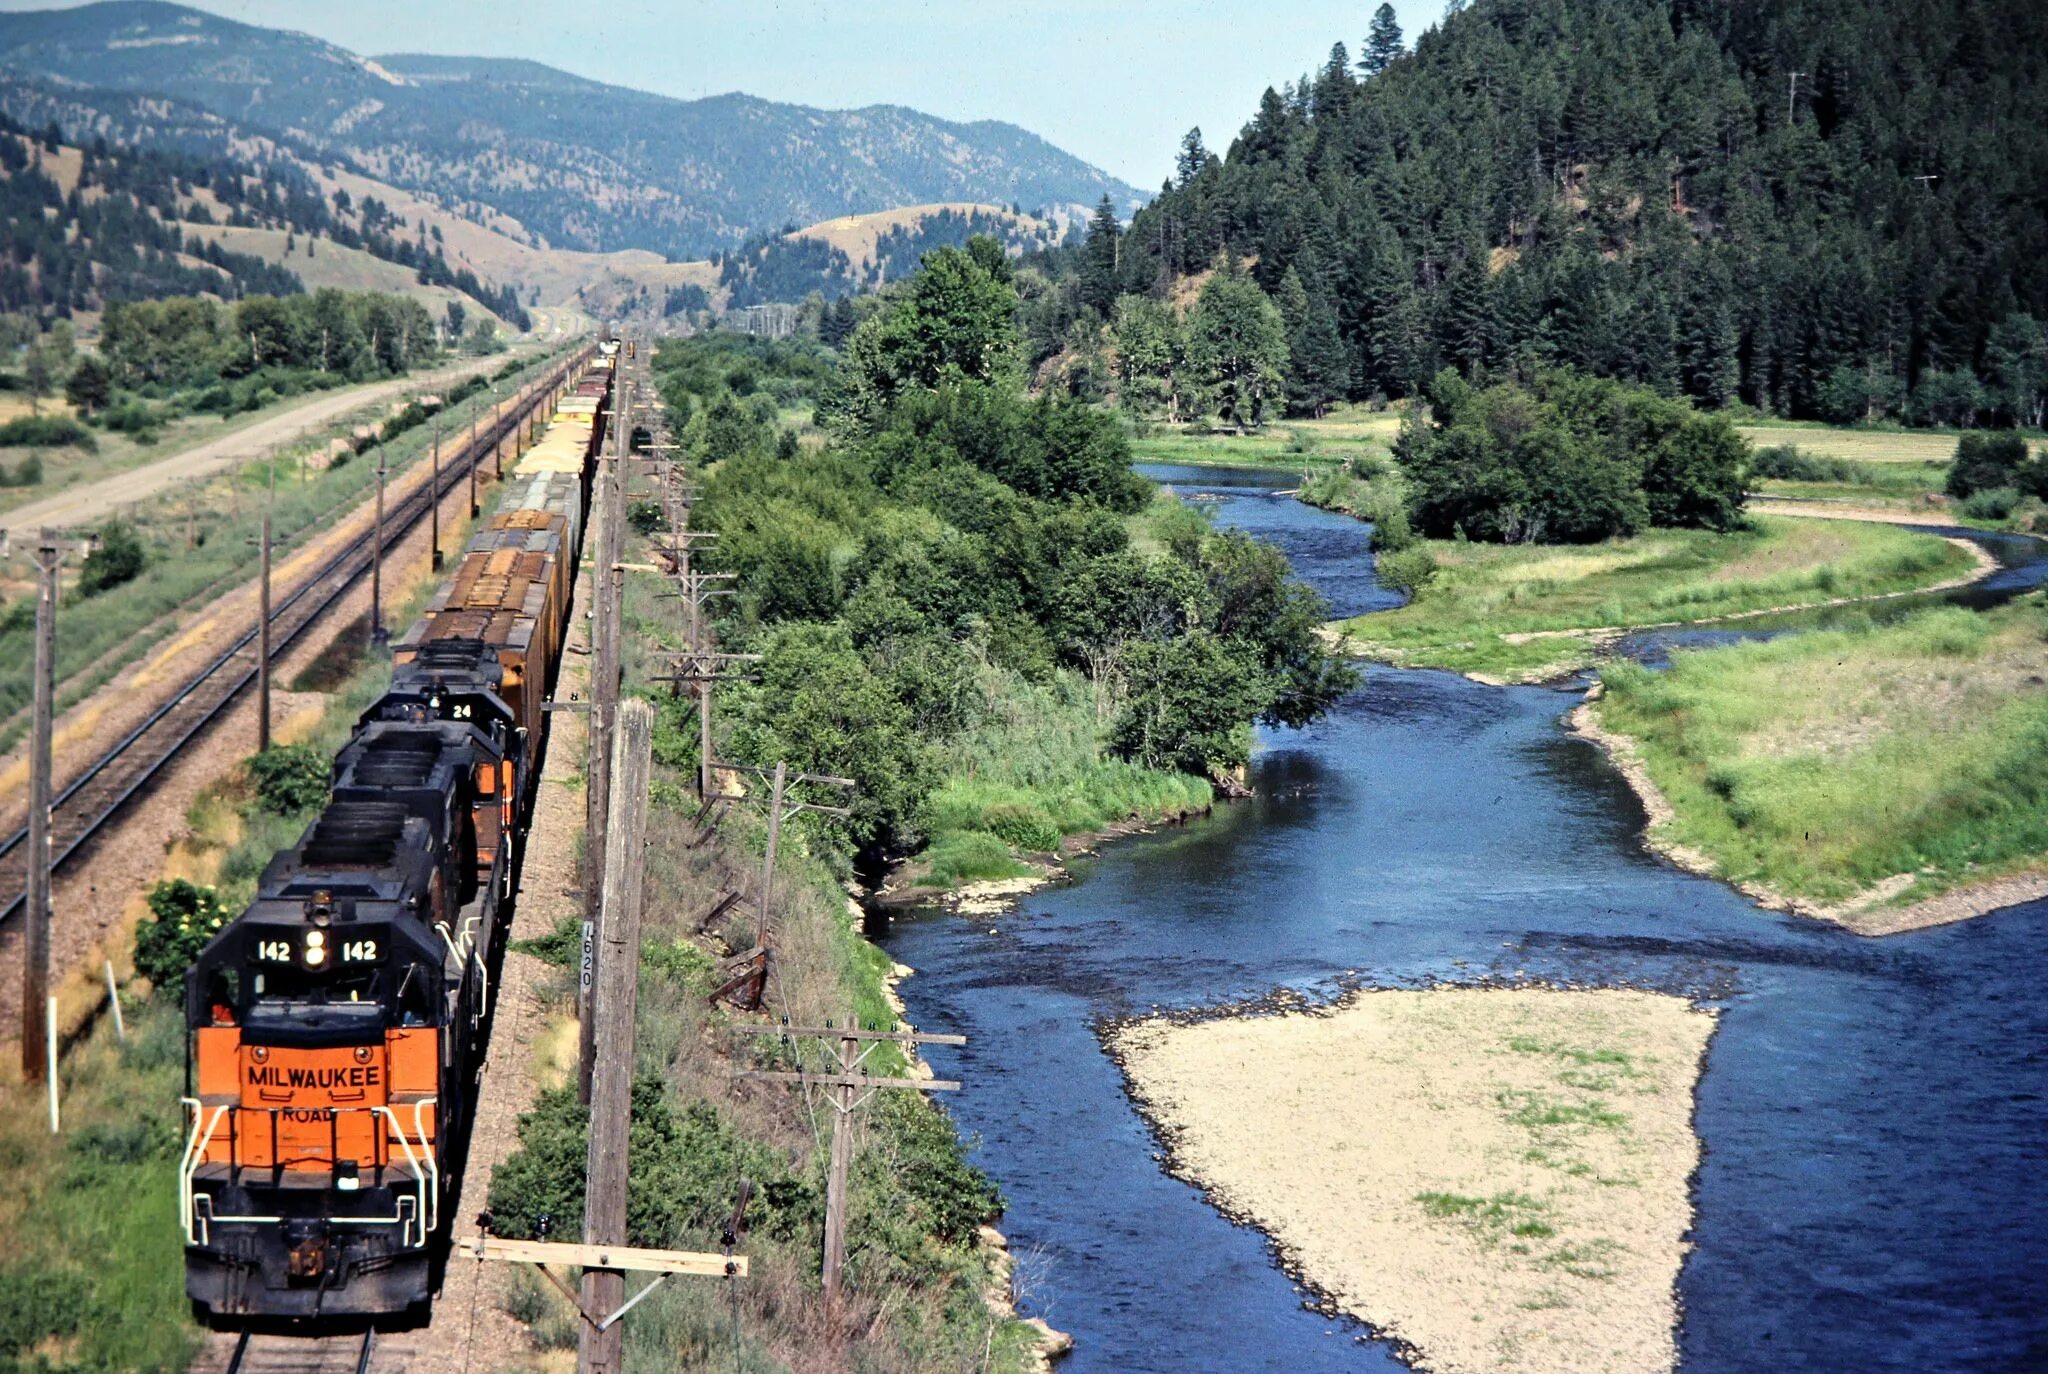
1406 570
1788 463
683 1165
562 946
184 916
291 779
27 473
37 1305
1987 461
132 416
1993 503
118 557
46 431
682 963
647 517
1391 531
1025 827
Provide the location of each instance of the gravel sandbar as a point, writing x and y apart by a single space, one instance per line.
1497 1178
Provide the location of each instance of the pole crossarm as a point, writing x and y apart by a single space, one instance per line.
621 1257
825 778
848 1033
849 1080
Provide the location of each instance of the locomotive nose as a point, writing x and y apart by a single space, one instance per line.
305 1249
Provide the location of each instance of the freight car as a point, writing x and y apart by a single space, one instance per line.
338 1026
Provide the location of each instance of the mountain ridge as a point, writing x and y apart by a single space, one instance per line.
583 164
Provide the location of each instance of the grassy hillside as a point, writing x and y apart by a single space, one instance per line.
330 264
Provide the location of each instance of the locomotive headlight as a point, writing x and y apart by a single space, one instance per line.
362 1054
316 947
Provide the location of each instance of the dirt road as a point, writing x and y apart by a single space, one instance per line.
86 504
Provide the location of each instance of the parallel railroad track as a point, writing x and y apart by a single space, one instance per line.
126 767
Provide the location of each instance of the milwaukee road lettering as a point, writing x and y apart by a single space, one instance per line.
314 1079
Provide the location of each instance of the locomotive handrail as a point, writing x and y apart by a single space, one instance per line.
426 1180
188 1163
430 1196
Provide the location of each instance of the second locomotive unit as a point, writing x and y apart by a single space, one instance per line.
337 1026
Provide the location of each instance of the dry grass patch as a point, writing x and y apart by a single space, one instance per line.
1496 1177
1857 445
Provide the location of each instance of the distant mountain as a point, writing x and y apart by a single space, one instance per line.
580 164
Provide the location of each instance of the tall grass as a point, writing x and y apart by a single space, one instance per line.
1824 763
94 1272
1034 771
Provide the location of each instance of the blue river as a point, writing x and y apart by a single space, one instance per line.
1874 1112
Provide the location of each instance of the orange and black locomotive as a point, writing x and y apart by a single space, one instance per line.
338 1026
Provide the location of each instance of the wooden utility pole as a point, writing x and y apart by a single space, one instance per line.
434 493
474 509
851 1087
606 582
35 973
263 624
377 561
617 995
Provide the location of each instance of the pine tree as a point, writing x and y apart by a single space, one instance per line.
1382 42
1318 368
1099 260
1193 158
1467 329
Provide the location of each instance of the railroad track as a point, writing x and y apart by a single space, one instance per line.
128 766
268 1353
358 1351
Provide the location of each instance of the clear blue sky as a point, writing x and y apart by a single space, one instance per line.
1117 83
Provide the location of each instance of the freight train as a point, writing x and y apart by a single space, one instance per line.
337 1027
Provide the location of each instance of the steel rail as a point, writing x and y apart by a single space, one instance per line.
331 581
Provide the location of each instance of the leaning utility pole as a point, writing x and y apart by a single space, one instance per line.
606 584
614 1004
36 1047
851 1087
746 975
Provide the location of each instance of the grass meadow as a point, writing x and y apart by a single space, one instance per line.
92 1277
1284 445
1855 443
1822 764
1521 612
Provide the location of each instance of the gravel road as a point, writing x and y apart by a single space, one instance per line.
95 501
